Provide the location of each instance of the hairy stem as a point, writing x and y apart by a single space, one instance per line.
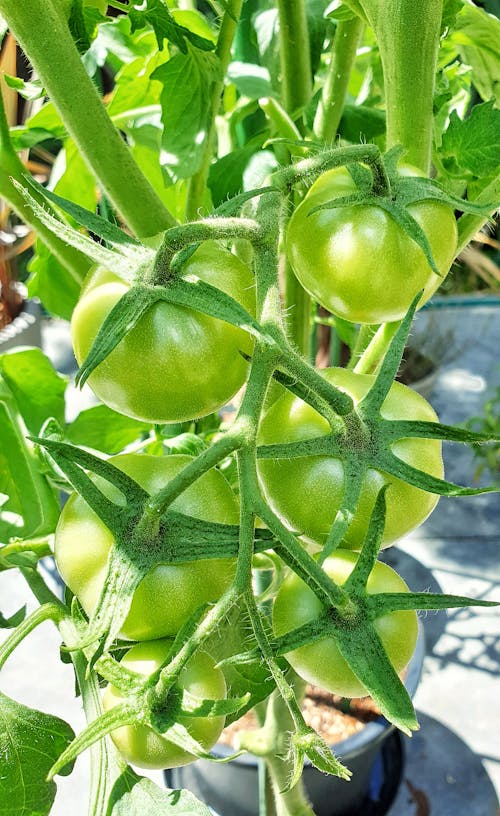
198 183
331 103
407 33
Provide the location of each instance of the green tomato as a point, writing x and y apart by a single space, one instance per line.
169 593
306 492
321 663
176 364
357 261
200 677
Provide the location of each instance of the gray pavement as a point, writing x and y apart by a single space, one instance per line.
453 762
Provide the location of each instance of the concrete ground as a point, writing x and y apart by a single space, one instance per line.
453 762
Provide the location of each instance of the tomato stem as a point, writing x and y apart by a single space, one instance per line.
343 55
407 33
197 184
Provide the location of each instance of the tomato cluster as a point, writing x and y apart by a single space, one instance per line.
177 364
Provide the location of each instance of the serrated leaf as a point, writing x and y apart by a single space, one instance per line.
52 283
250 80
473 144
477 37
30 741
226 174
157 15
134 795
32 508
186 101
105 430
37 388
361 123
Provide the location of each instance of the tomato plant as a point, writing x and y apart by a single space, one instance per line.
199 678
176 364
321 662
172 144
321 478
362 266
170 593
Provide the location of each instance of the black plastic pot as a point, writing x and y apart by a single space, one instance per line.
232 789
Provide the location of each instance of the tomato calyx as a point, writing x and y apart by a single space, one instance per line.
142 538
363 439
382 185
353 627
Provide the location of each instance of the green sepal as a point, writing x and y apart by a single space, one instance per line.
354 473
388 462
124 714
124 315
361 647
123 264
192 294
105 229
384 602
212 708
358 579
407 428
75 461
373 400
180 736
318 446
412 189
307 743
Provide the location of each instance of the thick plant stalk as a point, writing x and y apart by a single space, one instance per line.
407 33
331 104
41 30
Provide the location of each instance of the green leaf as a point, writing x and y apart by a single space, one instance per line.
339 11
53 283
134 795
157 15
226 176
105 430
250 80
14 620
472 146
32 508
361 123
28 90
477 38
187 80
37 388
30 741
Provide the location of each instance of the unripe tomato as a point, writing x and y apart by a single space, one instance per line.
321 663
200 677
357 262
169 593
176 364
306 491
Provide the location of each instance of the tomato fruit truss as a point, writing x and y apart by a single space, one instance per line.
144 746
357 261
306 491
321 662
169 593
175 364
